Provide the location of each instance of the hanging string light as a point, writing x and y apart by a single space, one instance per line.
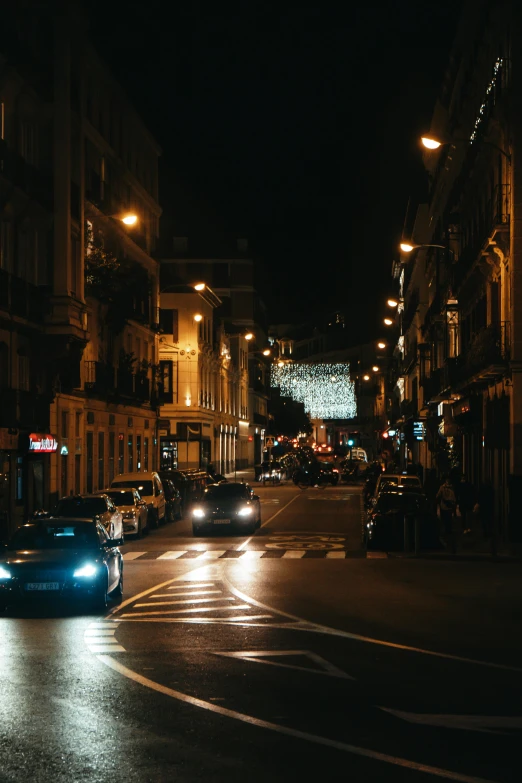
325 389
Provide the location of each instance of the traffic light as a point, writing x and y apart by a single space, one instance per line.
351 442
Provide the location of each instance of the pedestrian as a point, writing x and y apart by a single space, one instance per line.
447 502
466 502
485 508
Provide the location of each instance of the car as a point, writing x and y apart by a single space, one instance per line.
150 487
396 478
225 507
385 521
133 510
65 558
93 506
173 500
329 471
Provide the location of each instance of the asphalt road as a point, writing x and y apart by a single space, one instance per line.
285 656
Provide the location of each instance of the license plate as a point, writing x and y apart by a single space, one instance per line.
42 586
222 521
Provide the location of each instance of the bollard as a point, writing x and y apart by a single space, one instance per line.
406 534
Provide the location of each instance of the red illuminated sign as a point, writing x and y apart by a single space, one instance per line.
43 444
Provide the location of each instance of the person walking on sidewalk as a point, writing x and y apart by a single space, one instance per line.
466 502
447 502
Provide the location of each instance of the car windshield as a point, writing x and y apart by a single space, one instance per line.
121 497
54 536
401 502
143 487
226 492
80 507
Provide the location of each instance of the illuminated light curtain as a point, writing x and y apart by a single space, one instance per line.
325 389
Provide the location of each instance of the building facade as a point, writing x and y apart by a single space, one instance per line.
459 359
79 289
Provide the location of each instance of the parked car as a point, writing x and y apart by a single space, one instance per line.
230 506
396 478
329 471
95 506
133 510
61 559
173 500
150 487
385 521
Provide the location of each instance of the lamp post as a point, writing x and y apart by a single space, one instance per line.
433 143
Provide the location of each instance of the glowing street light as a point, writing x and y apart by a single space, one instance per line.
388 322
198 317
375 368
130 219
382 346
249 336
266 352
366 377
392 303
433 143
199 286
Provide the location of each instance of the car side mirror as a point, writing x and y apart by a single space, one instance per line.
112 542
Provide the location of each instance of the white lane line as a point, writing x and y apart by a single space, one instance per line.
210 554
280 510
334 555
187 601
100 624
99 632
194 609
286 730
294 554
252 554
197 592
188 583
244 544
105 648
306 625
171 555
132 555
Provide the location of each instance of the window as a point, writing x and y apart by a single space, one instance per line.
121 444
138 452
23 373
89 449
169 323
112 443
6 246
169 379
101 459
27 142
130 453
146 454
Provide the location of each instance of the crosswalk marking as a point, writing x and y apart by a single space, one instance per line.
192 585
99 638
250 554
196 592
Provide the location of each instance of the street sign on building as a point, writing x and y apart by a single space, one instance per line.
269 441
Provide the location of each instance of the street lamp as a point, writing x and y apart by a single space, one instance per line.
388 322
366 377
392 303
407 247
381 345
249 336
375 368
433 143
130 219
198 317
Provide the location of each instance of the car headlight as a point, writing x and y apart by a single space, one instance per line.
4 573
198 512
245 511
86 570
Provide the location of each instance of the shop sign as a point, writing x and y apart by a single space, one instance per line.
43 444
418 430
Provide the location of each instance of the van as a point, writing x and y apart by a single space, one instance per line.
150 487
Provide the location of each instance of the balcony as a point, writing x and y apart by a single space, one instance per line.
21 298
485 358
99 377
24 409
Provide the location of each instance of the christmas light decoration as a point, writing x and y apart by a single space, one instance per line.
325 389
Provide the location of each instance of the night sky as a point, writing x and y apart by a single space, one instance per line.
295 125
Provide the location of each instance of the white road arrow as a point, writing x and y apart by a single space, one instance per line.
488 724
260 656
